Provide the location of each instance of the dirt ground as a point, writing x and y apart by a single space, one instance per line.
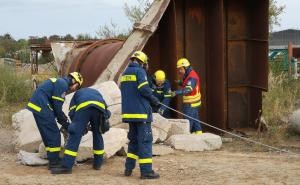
230 165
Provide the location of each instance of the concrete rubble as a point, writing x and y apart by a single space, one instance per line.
174 132
294 122
195 143
31 159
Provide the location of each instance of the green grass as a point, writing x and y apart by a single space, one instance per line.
15 91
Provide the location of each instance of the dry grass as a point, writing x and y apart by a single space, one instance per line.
278 103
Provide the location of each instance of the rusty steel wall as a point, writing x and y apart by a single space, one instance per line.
226 42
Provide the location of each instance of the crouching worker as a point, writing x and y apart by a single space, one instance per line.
46 105
87 106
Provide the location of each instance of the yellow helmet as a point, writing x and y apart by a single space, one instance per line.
160 75
77 77
183 62
140 56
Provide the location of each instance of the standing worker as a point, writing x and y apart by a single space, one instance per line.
136 110
161 89
87 106
46 105
191 93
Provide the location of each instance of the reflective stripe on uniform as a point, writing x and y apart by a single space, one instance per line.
58 98
73 107
98 152
84 104
190 99
198 132
160 92
137 116
196 104
168 96
55 149
53 80
128 78
189 87
144 161
71 153
34 107
132 156
142 84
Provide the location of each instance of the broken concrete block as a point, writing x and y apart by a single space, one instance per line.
155 135
160 127
158 150
294 122
178 127
31 159
26 135
193 142
114 140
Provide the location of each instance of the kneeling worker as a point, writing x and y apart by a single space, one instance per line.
46 105
87 106
161 89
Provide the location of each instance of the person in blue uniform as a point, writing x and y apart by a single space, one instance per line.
46 106
87 106
137 111
161 89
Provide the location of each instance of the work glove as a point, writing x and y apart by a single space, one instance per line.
161 111
173 94
87 129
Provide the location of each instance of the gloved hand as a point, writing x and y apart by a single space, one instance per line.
104 126
173 94
87 129
161 111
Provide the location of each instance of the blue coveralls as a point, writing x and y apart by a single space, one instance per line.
87 106
46 105
163 93
136 110
190 109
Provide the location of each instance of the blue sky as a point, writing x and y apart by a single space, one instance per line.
24 18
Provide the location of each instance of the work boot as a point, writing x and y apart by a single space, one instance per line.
127 172
61 170
151 175
54 164
96 167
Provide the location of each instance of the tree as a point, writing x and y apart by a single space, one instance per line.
135 13
111 31
68 37
83 37
275 11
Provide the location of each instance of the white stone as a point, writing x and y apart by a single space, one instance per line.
160 127
26 136
193 142
31 159
114 140
178 127
159 150
294 122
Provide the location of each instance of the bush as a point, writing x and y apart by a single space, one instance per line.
279 103
14 87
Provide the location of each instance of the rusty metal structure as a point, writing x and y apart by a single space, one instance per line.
226 42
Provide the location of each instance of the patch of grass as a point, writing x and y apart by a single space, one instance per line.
15 92
278 103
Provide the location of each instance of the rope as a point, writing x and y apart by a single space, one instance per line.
232 134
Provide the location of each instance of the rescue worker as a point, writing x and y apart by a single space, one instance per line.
161 89
87 106
46 105
136 110
191 93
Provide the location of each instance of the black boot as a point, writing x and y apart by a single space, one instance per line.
128 172
96 167
151 175
54 163
61 170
